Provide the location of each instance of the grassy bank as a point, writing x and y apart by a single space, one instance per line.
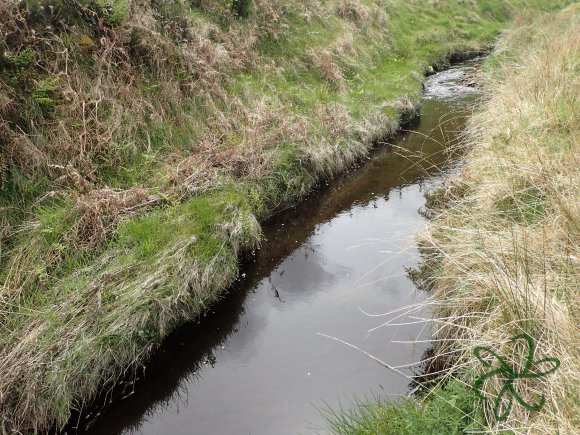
502 252
143 142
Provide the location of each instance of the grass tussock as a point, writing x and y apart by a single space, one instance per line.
506 244
142 141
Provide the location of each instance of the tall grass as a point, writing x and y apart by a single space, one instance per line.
505 247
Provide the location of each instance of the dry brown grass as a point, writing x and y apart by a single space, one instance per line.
353 10
100 211
509 243
324 63
101 108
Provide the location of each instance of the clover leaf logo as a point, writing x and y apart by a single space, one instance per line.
507 372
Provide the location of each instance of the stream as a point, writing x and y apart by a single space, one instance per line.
256 363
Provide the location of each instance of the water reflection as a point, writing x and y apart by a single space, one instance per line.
255 363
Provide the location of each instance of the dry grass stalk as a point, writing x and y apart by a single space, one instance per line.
101 210
508 244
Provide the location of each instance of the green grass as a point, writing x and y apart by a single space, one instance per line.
447 410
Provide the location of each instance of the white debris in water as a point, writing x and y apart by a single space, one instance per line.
448 84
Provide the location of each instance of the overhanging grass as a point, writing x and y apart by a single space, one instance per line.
508 243
502 252
452 409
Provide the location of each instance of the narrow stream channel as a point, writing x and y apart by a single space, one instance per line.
255 364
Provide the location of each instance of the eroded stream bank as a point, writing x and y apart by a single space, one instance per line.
255 364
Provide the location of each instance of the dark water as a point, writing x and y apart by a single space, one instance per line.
255 364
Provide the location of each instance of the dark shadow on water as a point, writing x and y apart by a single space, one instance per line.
291 269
